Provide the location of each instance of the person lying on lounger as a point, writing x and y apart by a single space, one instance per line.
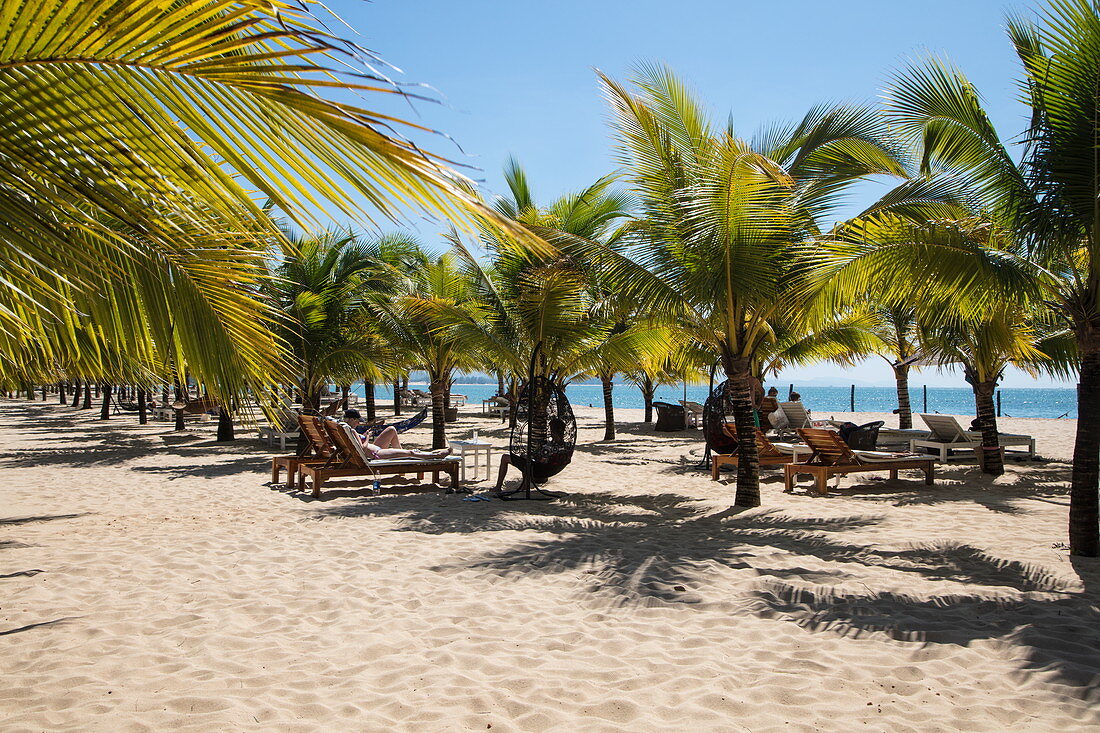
388 443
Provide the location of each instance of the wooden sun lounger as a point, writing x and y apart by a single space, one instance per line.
352 462
832 457
769 454
321 452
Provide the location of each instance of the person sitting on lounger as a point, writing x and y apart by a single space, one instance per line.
388 443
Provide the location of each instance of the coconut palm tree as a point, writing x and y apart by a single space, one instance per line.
139 142
984 344
723 219
422 325
1047 201
320 284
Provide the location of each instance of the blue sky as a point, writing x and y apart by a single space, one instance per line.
516 78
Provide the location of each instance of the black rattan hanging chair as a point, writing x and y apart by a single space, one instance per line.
717 412
543 437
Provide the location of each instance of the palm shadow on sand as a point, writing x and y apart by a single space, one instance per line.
657 550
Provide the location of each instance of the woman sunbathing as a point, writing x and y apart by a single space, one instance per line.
388 443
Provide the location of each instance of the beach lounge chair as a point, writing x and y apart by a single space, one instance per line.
797 417
694 412
833 457
769 453
353 460
287 429
496 407
321 451
946 435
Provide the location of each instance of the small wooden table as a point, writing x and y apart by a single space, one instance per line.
463 447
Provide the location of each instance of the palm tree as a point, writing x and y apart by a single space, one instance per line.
985 344
422 325
723 219
320 283
1047 201
139 143
895 325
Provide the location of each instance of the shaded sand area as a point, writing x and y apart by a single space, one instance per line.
152 581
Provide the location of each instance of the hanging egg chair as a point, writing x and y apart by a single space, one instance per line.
543 437
717 413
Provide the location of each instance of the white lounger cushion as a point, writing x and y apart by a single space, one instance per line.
792 448
873 456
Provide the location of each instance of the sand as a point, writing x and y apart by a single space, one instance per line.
151 581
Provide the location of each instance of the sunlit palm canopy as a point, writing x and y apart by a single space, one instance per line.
138 140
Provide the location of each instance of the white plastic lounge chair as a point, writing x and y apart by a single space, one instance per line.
946 435
797 418
694 412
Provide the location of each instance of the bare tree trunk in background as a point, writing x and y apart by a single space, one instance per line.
1084 500
225 425
608 407
905 410
368 400
439 423
748 463
105 409
142 400
647 388
992 462
87 396
179 413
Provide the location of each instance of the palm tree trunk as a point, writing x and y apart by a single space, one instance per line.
905 410
44 397
61 393
748 461
1084 501
143 415
368 399
179 413
105 409
647 389
397 395
225 426
87 396
608 407
439 426
992 463
500 383
76 392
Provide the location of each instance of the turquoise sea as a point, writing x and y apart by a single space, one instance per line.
1015 402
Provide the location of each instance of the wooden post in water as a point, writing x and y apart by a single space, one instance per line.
926 399
853 399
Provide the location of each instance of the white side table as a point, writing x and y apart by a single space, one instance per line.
463 447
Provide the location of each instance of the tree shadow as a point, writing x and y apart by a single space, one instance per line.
657 550
246 464
40 518
28 627
1058 631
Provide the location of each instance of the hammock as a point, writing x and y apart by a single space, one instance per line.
400 427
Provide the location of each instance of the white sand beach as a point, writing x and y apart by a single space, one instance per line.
152 581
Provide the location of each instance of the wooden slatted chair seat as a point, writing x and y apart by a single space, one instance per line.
352 459
833 457
767 452
320 451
